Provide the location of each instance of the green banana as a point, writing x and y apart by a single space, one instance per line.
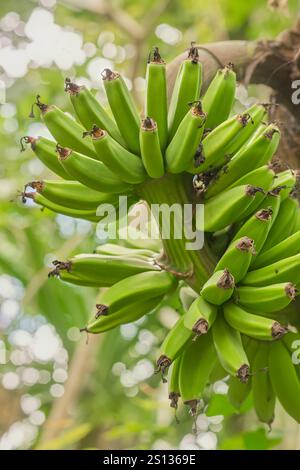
64 129
227 207
264 397
218 373
152 156
156 95
266 299
104 270
263 175
92 173
226 139
283 225
173 345
286 180
258 225
183 146
247 159
72 194
255 326
89 111
219 96
284 379
284 270
238 391
196 365
127 313
45 150
173 386
200 316
144 286
186 90
230 350
237 258
39 199
123 108
285 249
127 166
219 288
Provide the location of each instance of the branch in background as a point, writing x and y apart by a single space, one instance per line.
83 363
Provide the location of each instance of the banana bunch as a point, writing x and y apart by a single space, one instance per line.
194 150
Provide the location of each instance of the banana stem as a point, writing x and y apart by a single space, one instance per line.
194 266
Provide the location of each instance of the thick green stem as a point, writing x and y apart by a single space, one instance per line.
195 266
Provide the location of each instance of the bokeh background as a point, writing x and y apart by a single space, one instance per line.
56 391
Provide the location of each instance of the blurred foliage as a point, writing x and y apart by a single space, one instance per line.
118 407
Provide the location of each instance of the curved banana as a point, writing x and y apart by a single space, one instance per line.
89 111
156 95
219 288
152 156
196 365
255 326
264 397
219 96
267 299
183 146
285 270
45 150
284 379
173 385
186 90
230 350
286 248
286 180
123 108
200 316
124 164
237 258
65 130
90 172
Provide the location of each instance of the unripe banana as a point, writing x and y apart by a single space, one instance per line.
90 172
64 129
238 391
196 364
218 373
200 316
186 90
45 150
156 95
237 258
103 270
286 248
123 108
173 345
264 397
266 299
292 343
127 313
72 194
141 286
255 326
283 225
258 226
183 146
247 159
118 250
219 96
90 112
230 349
284 379
86 214
152 157
219 288
173 385
285 180
285 270
127 166
226 139
263 175
227 207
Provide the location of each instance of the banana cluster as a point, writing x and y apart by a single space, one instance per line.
239 321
